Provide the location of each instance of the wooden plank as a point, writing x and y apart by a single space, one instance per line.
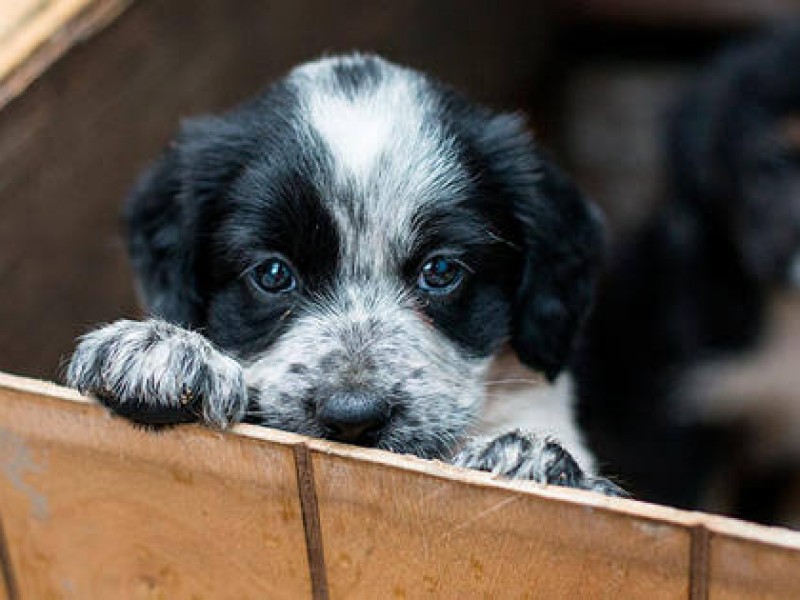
762 564
463 532
95 508
8 579
391 531
35 33
92 507
14 16
27 24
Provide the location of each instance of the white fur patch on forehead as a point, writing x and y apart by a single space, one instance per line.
389 149
357 128
356 133
358 124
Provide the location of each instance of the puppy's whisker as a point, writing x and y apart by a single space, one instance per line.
281 320
497 238
513 381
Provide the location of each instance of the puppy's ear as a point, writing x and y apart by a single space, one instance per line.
562 243
563 251
167 215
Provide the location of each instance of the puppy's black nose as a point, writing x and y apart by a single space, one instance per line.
353 416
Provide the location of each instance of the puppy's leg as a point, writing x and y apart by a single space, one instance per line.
156 373
521 455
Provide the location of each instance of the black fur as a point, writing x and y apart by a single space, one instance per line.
231 186
692 284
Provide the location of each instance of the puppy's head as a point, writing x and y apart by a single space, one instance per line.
735 153
364 240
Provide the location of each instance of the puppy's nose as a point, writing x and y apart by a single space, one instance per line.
353 416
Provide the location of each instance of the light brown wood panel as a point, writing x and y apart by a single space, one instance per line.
14 16
91 507
8 583
95 508
747 562
26 24
34 33
393 532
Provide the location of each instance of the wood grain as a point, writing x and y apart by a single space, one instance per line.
35 33
8 578
94 508
26 24
758 564
14 15
432 524
438 537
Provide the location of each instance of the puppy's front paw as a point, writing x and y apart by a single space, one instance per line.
520 455
156 373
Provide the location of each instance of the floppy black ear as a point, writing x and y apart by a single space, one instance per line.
562 242
564 248
167 215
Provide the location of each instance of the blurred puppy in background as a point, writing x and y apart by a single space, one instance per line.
690 375
360 254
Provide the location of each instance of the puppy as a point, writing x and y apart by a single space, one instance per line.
359 254
689 381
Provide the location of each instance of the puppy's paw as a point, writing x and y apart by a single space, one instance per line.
156 373
520 455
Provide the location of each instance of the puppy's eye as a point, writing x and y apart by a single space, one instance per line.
274 276
440 275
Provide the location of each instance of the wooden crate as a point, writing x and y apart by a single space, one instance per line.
92 507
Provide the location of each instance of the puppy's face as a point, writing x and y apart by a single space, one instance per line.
364 240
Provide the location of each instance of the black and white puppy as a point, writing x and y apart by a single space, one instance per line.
350 255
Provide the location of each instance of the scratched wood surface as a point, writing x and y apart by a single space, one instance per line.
94 508
91 507
747 567
439 537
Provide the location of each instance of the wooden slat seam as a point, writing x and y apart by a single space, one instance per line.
306 487
699 562
9 576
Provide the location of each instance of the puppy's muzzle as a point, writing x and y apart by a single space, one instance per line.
353 416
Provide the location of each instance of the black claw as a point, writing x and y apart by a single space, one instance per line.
562 470
155 415
604 486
